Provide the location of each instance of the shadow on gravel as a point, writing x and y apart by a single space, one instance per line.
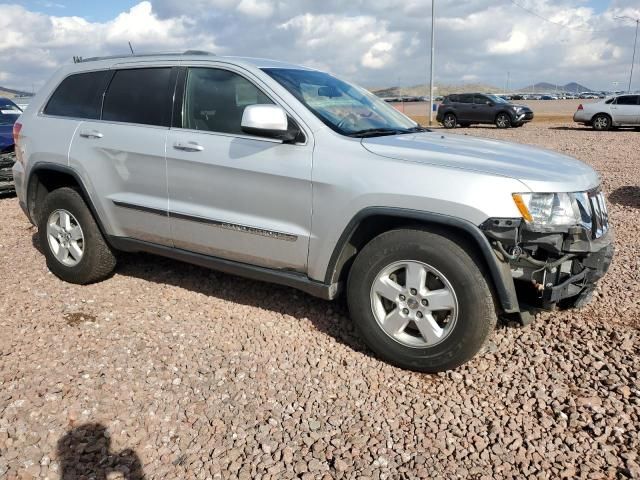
85 452
628 196
589 129
330 318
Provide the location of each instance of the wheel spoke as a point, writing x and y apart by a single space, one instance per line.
76 233
64 220
394 323
387 288
62 253
429 328
53 229
75 251
416 277
440 300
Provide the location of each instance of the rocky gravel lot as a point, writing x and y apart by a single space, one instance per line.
172 371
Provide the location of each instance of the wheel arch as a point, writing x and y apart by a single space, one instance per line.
46 177
371 222
509 114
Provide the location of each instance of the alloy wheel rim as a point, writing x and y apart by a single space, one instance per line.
502 121
449 122
65 237
414 304
602 122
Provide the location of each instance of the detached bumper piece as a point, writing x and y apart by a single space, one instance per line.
6 175
552 270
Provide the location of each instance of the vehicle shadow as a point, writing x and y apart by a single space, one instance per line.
85 452
628 196
583 128
331 318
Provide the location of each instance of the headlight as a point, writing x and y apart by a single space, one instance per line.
549 211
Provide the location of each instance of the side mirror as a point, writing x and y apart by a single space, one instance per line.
490 103
267 121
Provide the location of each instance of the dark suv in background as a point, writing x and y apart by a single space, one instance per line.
465 109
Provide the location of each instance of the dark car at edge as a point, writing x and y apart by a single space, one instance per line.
466 109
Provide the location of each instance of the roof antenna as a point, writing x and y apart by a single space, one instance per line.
131 48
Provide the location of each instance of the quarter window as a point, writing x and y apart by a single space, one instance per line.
79 96
215 100
142 95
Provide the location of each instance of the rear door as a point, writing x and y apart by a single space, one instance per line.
122 155
464 107
625 110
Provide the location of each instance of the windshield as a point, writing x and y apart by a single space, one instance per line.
9 113
343 107
497 99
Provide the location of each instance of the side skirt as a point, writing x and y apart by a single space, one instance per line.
295 280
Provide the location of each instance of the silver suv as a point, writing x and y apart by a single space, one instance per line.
287 174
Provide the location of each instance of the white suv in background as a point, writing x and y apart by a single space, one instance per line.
618 111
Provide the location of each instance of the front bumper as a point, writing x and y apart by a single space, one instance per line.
7 161
551 270
523 117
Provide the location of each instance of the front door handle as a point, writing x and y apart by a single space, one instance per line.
188 146
91 134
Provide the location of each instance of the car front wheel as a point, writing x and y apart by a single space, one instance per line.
503 120
420 300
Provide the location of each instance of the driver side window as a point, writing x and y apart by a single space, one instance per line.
215 100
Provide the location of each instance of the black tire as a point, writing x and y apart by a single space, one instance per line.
601 122
503 120
476 308
449 120
97 261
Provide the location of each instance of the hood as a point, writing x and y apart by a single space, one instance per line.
540 170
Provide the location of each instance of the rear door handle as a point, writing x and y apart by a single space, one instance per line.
188 146
91 134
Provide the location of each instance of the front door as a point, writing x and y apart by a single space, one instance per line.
231 195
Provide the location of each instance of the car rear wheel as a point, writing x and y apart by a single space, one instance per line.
503 120
420 300
72 243
449 121
601 122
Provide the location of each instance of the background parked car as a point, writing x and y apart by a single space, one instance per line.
9 113
618 111
469 108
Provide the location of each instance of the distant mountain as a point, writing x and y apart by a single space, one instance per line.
10 92
545 87
440 89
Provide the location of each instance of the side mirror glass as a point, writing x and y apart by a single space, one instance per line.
490 103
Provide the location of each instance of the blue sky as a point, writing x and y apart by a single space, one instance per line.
100 10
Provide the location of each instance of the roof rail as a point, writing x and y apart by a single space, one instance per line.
141 55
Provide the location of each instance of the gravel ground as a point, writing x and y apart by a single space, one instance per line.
171 371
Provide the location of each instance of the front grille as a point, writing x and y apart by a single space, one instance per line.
599 215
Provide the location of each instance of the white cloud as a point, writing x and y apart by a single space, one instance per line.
373 43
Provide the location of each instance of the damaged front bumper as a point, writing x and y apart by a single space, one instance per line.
553 269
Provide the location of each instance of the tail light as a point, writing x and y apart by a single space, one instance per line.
580 107
16 132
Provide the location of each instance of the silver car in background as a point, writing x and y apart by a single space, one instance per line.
618 111
290 175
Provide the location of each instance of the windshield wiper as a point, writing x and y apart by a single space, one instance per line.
374 132
419 129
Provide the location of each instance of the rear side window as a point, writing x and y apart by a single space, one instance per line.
628 100
451 99
142 95
465 98
79 96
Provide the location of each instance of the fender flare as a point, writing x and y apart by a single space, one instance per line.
30 194
499 271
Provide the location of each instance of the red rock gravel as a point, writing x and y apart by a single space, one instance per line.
171 371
